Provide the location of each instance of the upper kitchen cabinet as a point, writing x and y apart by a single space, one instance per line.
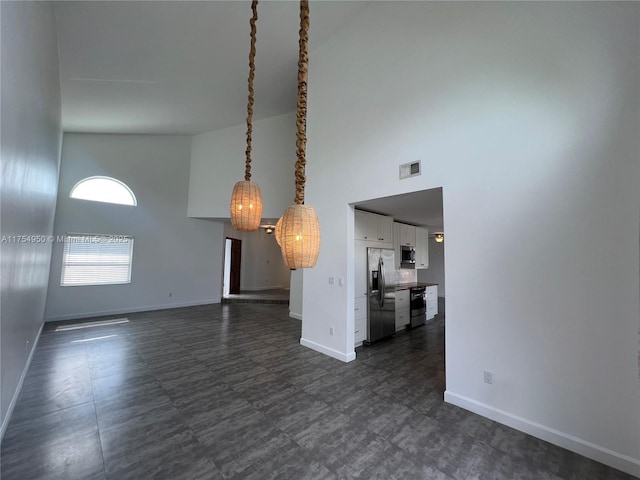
373 227
422 247
407 235
396 244
385 229
416 237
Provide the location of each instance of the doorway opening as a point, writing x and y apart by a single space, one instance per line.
232 264
258 267
414 220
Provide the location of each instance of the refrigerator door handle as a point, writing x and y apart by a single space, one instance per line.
383 285
379 283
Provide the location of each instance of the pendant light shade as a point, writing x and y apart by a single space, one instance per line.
299 230
278 230
300 236
246 199
246 206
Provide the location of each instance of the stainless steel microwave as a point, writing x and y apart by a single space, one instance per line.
407 257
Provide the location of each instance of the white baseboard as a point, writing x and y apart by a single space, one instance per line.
595 452
259 289
118 311
345 357
297 316
16 394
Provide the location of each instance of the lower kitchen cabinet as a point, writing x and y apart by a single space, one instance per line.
360 268
431 294
360 320
403 309
432 309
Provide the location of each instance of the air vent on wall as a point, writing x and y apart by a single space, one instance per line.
410 169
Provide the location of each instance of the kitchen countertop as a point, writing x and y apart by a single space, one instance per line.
407 286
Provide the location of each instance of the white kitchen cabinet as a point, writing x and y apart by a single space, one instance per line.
431 297
407 235
403 309
431 293
403 235
385 229
360 268
366 225
396 244
416 237
360 320
422 247
373 227
432 310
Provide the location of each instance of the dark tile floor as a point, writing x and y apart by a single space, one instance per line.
227 392
273 295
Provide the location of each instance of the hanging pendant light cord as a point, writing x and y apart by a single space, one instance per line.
301 111
252 69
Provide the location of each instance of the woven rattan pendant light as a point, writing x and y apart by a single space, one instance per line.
299 230
246 199
278 230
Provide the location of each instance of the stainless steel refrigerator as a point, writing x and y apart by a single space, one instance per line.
381 321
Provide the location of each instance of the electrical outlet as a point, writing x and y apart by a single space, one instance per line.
331 280
331 331
341 281
488 377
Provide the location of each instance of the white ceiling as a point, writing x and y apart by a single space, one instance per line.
181 67
178 66
422 208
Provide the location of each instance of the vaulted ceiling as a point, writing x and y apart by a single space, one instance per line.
180 66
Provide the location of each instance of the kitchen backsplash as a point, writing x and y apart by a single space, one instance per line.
405 275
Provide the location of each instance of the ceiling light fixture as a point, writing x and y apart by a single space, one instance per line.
299 232
246 199
439 237
268 229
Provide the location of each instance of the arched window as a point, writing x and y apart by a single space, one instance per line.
103 189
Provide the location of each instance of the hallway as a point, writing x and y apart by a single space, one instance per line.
276 295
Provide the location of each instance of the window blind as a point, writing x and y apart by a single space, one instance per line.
90 259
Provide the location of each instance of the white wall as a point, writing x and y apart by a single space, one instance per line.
261 266
295 294
172 253
527 115
435 272
31 137
217 163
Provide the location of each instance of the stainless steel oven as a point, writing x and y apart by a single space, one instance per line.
418 306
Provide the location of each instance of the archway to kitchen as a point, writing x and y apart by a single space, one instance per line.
408 231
